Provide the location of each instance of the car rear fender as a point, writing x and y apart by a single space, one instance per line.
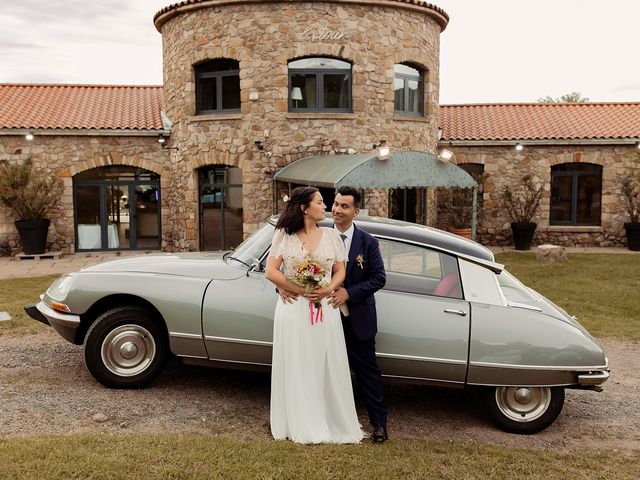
518 347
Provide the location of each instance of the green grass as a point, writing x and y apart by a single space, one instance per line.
602 290
201 457
15 293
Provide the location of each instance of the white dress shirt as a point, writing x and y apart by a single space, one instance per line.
349 234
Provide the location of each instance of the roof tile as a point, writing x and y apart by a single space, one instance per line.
62 106
540 121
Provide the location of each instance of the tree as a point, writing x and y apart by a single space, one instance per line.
573 97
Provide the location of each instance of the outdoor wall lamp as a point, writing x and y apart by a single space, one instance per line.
445 155
29 136
384 152
163 143
259 144
519 147
638 145
439 134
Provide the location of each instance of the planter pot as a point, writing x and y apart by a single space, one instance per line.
463 232
523 235
33 235
633 236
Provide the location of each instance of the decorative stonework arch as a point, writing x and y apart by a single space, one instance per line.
204 159
339 52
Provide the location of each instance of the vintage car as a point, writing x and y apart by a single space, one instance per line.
448 316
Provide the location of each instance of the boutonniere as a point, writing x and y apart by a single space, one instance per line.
360 261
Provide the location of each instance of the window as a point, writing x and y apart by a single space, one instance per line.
319 85
408 90
217 87
415 269
576 192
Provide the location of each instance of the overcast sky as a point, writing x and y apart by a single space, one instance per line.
492 50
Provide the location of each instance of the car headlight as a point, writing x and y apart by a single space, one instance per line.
60 288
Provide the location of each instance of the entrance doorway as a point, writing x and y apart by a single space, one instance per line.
403 204
220 207
117 208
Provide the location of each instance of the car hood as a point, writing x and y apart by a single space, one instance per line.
201 264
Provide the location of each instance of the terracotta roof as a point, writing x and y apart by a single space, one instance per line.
441 16
109 107
118 107
540 121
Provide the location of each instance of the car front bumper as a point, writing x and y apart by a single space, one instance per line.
66 324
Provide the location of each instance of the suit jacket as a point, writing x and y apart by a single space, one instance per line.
362 281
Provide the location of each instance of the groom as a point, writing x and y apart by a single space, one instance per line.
365 276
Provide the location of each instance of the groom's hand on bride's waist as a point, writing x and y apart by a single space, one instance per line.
338 297
287 296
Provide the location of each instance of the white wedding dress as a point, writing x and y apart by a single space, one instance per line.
311 391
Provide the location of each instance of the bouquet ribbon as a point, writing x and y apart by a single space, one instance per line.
318 315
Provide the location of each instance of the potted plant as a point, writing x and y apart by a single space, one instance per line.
631 191
460 211
31 194
522 207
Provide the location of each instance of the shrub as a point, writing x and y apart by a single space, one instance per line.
523 204
631 191
31 194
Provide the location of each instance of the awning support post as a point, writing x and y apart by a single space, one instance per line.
474 218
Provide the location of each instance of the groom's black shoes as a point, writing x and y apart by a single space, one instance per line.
379 434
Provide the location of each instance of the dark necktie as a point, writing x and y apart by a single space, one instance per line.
344 239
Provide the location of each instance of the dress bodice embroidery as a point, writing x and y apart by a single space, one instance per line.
330 250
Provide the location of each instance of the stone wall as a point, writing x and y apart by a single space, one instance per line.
264 37
505 166
66 156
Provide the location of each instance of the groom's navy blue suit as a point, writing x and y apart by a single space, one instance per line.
363 279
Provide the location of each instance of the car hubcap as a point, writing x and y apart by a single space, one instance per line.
128 350
523 404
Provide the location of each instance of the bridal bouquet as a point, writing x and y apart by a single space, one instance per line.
310 274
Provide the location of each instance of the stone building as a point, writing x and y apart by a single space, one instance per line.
250 87
578 152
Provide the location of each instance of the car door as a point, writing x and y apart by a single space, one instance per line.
237 313
237 318
423 320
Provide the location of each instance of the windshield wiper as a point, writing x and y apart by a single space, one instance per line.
238 260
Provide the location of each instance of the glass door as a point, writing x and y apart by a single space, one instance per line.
220 208
147 218
117 208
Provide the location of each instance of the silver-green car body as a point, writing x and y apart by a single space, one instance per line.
215 308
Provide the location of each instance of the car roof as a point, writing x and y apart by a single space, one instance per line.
413 232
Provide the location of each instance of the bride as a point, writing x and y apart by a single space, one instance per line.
311 392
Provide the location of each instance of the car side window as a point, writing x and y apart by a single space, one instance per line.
416 269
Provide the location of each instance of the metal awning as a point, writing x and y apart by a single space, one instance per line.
366 170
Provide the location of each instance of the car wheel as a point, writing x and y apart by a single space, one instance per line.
125 348
522 409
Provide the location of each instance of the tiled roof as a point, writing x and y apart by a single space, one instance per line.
81 107
442 17
118 107
540 121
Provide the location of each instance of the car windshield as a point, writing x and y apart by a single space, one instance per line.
514 290
250 251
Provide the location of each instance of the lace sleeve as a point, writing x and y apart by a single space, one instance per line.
340 252
278 244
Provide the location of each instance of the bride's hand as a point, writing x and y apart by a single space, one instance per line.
319 293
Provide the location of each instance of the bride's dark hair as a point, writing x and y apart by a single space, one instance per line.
292 219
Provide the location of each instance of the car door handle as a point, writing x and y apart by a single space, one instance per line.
462 313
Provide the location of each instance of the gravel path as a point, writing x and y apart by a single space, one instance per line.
45 389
